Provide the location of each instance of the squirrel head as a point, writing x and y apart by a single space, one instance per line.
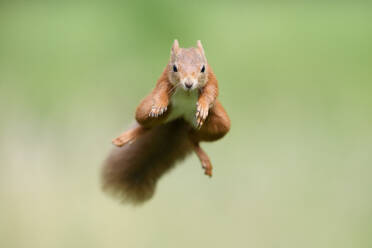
188 67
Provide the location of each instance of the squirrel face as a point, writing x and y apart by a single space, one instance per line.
188 67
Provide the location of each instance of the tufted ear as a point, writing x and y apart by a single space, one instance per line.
175 47
200 46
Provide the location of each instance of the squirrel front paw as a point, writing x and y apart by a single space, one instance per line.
158 110
202 109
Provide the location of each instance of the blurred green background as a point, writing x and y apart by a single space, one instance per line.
295 77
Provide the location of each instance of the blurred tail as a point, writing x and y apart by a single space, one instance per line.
132 171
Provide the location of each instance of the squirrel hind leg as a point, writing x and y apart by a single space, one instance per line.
204 159
129 136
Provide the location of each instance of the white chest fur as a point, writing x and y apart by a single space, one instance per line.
184 105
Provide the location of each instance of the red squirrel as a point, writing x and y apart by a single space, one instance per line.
180 112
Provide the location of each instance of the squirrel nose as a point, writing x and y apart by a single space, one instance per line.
188 85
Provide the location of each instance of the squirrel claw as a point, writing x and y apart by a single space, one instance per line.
199 123
207 166
122 140
157 111
201 114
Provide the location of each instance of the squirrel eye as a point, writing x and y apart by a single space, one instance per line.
175 68
202 69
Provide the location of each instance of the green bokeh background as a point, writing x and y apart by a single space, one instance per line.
295 77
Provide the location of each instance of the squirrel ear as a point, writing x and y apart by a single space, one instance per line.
175 46
200 46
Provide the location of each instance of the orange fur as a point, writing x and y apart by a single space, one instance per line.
153 146
131 172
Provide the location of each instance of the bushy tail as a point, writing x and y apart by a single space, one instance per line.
132 171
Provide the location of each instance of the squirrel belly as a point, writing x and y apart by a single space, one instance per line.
184 105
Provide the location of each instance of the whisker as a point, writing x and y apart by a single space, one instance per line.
174 88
